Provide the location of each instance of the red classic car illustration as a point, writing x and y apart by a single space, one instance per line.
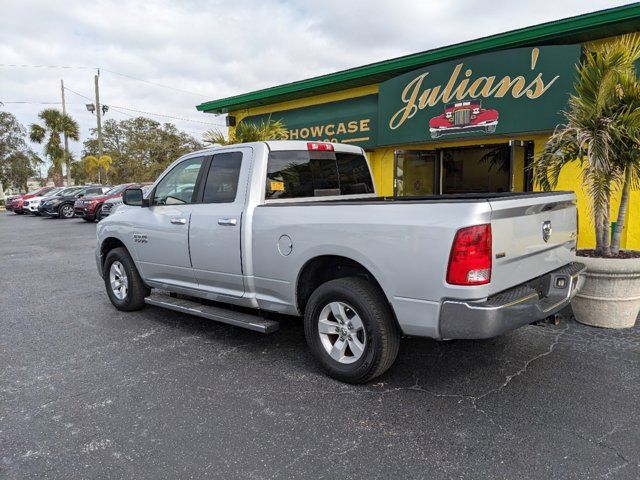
461 117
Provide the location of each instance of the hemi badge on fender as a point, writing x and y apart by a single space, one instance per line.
501 255
139 238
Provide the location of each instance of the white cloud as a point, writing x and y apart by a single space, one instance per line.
221 48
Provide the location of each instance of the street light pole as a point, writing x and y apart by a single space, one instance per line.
98 115
66 139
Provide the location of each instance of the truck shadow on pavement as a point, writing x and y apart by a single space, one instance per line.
459 368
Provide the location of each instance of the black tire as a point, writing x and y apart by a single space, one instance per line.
382 335
65 211
137 290
17 212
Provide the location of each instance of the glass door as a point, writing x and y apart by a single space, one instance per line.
415 173
476 169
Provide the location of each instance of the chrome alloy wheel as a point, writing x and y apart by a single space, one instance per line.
119 281
66 211
341 332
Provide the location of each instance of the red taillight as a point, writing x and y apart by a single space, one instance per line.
470 259
319 147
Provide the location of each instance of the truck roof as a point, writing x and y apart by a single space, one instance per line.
282 145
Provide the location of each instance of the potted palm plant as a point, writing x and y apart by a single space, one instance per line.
602 134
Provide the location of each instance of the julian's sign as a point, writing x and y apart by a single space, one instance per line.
520 90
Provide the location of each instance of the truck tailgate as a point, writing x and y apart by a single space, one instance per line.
531 235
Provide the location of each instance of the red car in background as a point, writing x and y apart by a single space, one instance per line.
17 201
461 117
90 207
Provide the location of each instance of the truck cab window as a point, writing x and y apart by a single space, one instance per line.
222 179
299 174
178 185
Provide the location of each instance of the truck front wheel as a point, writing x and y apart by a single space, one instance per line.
350 329
124 285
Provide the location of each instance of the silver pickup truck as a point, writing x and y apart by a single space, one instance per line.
237 232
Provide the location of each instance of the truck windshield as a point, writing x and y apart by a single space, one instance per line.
298 174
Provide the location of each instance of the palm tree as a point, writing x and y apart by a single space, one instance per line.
248 132
602 134
55 124
103 164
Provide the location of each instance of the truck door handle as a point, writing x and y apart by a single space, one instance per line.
227 221
178 221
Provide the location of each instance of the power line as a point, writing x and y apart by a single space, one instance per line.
154 83
151 113
169 116
193 132
2 102
79 94
46 66
120 111
131 77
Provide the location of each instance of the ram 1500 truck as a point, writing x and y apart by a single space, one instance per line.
297 228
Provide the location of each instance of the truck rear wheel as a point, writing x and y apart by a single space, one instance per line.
124 285
350 329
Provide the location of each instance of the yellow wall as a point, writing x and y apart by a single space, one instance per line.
571 179
381 160
305 102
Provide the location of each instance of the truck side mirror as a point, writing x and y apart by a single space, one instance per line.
134 198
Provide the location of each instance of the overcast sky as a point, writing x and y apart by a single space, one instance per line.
207 50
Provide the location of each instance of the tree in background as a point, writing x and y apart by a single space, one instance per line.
17 161
248 132
602 133
55 124
18 170
140 148
100 165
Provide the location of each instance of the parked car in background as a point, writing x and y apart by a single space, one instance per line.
61 206
109 206
31 205
17 202
90 207
34 203
9 198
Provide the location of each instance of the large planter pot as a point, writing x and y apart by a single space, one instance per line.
610 296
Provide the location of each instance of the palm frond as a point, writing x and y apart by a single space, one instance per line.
248 132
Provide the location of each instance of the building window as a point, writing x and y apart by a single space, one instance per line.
458 170
415 173
476 170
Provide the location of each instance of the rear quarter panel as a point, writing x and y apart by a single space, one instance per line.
405 246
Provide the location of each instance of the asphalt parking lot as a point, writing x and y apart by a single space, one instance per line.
90 392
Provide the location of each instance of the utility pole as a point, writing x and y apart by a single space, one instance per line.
66 140
98 115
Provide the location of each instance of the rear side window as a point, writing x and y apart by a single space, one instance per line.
298 174
222 180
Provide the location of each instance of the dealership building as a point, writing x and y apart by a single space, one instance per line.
464 118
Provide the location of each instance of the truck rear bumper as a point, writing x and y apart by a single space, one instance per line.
513 308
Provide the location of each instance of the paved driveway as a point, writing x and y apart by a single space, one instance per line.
90 392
